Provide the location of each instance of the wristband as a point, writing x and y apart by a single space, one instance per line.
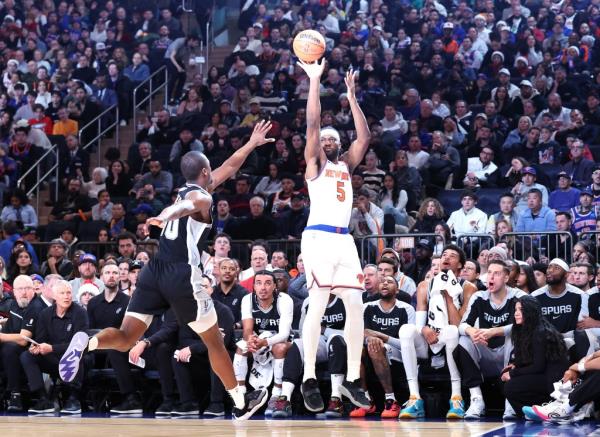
581 366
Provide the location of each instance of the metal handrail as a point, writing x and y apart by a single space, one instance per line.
40 180
100 132
151 93
538 237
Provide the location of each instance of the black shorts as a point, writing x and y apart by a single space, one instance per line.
162 285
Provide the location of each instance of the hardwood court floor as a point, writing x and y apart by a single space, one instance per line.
132 427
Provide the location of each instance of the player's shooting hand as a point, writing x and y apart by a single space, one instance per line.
350 82
259 133
313 70
155 221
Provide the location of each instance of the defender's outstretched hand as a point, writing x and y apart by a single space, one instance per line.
261 129
350 82
313 70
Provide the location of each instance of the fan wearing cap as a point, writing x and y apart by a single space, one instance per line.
536 217
564 306
417 270
87 274
527 92
565 197
584 215
57 261
520 190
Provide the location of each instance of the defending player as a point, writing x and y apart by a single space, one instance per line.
173 277
330 258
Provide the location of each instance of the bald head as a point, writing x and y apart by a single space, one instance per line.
192 165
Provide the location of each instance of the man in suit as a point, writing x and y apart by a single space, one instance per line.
105 97
74 161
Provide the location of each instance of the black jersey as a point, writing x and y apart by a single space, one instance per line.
388 322
179 238
565 310
334 317
23 318
594 304
483 313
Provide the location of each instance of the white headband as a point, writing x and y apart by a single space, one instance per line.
560 263
331 132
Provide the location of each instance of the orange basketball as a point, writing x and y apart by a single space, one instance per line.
309 45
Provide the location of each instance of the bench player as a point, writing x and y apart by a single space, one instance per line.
265 312
173 277
330 258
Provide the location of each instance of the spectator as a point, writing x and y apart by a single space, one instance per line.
161 180
74 162
126 245
102 211
255 225
187 142
481 171
40 120
239 202
291 223
64 125
57 262
19 211
11 237
96 184
468 219
87 275
118 182
584 216
521 189
579 168
73 205
564 197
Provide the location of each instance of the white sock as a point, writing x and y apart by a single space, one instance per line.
367 395
336 380
353 331
278 370
311 331
240 367
276 391
287 388
476 393
93 344
413 387
391 396
237 394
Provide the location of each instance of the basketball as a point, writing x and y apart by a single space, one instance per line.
309 45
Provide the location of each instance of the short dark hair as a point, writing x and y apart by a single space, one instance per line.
126 235
461 253
469 193
390 261
220 235
264 273
567 214
505 266
477 266
535 191
9 227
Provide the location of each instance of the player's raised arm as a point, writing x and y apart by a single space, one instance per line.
313 152
359 146
230 167
192 204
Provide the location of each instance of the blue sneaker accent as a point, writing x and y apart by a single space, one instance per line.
413 409
530 414
457 409
68 366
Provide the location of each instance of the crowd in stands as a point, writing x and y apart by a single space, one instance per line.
484 120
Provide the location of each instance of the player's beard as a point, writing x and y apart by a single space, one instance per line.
333 154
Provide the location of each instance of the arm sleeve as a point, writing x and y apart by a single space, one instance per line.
247 307
420 319
286 315
584 311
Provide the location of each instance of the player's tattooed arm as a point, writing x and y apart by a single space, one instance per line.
235 161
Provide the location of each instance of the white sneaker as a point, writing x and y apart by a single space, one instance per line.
509 412
584 412
123 123
476 409
555 411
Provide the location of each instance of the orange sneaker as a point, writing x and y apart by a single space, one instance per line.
362 412
391 409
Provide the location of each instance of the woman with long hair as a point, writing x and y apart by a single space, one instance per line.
431 213
269 184
539 357
118 183
393 200
191 103
443 237
21 263
526 279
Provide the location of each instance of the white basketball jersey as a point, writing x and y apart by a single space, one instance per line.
331 196
437 312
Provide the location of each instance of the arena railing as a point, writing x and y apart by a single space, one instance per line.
473 243
97 248
53 152
541 246
148 89
103 126
370 246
